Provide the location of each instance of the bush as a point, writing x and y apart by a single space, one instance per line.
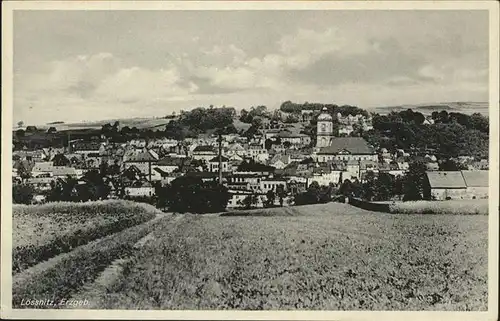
43 231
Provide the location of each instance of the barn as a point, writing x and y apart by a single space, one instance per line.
458 184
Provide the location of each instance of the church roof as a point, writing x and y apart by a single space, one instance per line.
352 145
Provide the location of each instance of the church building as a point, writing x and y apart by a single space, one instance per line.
330 148
324 130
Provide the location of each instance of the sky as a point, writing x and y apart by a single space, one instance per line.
93 65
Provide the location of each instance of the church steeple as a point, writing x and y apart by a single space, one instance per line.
324 130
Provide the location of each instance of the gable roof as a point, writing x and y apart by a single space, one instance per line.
43 167
170 161
216 159
353 145
63 171
204 148
449 179
141 157
476 178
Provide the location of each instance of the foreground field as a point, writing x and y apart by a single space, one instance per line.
306 259
43 231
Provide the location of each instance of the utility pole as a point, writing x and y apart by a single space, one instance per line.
220 158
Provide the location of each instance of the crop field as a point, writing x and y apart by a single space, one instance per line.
43 231
457 207
327 257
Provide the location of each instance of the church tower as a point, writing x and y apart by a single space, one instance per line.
324 131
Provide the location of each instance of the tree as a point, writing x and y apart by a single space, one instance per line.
61 160
281 193
20 123
191 194
450 165
287 144
311 196
20 133
52 130
249 201
270 198
22 194
22 171
369 186
416 185
384 187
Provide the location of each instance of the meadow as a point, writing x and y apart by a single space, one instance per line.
333 257
43 231
456 207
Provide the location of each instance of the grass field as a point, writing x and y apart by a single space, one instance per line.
328 257
43 231
457 207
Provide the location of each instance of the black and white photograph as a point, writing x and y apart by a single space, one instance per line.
244 157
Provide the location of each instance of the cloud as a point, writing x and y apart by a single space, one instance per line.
348 63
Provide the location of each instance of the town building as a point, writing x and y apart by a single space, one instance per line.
324 129
347 148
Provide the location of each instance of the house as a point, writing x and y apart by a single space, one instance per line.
351 170
432 166
293 139
64 171
140 189
257 153
204 153
280 161
250 181
325 178
402 163
205 176
477 183
368 166
169 164
346 130
85 148
347 148
138 143
40 183
238 196
235 149
142 161
213 164
42 168
271 184
447 185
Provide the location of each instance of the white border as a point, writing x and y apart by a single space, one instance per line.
6 195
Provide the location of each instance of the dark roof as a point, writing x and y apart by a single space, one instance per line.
450 179
86 146
353 145
170 161
216 159
141 157
476 178
204 149
255 167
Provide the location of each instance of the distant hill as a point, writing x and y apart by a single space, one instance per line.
458 107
